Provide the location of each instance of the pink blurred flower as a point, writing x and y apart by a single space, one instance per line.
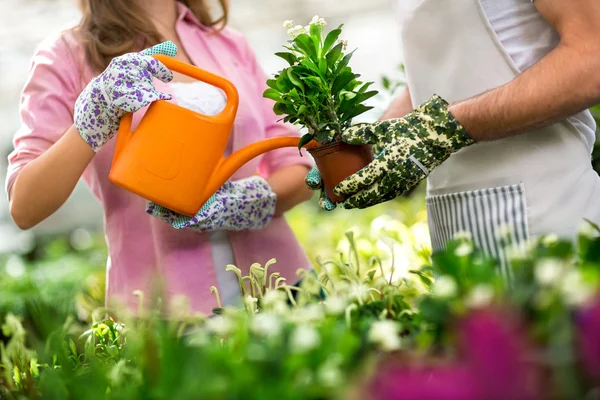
491 364
588 323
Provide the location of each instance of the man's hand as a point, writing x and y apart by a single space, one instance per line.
409 148
566 81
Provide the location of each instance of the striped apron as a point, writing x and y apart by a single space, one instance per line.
507 191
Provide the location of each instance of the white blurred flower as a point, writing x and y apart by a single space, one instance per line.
272 296
359 291
335 305
547 272
344 43
330 375
550 239
463 235
445 287
266 324
318 21
463 250
575 290
251 304
288 24
385 334
304 338
297 30
219 325
588 230
480 296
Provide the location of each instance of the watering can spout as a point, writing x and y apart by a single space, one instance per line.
228 166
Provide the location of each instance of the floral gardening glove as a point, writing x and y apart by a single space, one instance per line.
247 204
125 86
409 149
314 182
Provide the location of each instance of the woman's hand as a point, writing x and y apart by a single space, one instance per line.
125 86
247 204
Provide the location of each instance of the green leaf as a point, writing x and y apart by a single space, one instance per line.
302 110
347 95
280 108
356 111
331 38
314 80
345 61
323 66
305 43
365 87
310 64
315 33
272 83
367 95
283 82
272 94
295 80
306 139
342 80
289 57
386 83
334 55
324 136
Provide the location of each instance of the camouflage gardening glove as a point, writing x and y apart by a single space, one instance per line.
408 149
314 182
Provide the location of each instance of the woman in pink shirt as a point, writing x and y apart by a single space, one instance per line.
70 111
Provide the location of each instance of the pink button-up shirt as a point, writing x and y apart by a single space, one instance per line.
142 247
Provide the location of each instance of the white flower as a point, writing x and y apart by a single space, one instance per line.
463 235
359 291
550 239
587 230
344 43
445 287
463 250
480 296
304 338
330 375
273 296
385 334
288 24
219 325
297 30
265 324
548 271
251 304
575 290
335 305
314 20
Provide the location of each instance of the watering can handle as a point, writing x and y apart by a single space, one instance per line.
231 92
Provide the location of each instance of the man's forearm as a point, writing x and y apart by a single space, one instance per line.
563 83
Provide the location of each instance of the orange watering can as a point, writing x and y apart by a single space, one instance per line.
175 156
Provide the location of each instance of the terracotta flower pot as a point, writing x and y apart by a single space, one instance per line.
337 161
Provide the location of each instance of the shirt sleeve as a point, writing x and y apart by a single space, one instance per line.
46 106
280 158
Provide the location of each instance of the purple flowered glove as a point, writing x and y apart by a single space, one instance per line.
125 86
247 204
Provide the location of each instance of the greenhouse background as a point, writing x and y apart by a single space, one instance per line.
379 319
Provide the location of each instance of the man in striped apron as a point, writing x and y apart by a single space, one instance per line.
512 151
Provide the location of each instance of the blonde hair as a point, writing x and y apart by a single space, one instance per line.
110 28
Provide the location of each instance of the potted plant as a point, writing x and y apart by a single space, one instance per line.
320 92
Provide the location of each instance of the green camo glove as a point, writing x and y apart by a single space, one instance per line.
409 149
